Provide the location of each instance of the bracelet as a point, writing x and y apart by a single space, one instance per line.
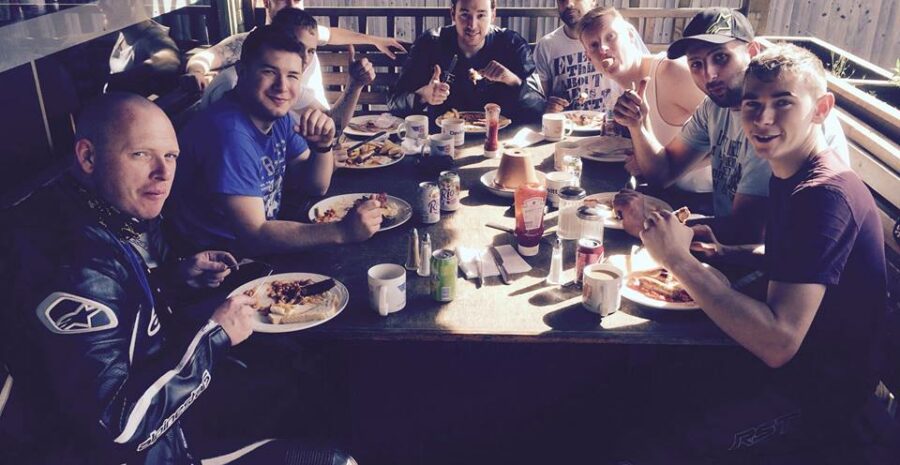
317 149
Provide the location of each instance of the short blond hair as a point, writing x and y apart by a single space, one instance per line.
591 19
769 64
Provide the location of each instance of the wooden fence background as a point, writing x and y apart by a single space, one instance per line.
867 28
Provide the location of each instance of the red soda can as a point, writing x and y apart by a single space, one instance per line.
589 251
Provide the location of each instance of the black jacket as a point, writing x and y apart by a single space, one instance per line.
97 376
437 47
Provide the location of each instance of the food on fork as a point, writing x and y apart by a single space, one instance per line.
682 214
475 76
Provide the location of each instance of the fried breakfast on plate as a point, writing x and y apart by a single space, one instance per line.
659 284
339 209
585 118
383 122
295 301
375 153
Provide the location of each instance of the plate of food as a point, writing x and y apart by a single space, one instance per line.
605 200
396 211
487 180
294 301
375 154
610 149
585 120
368 125
658 288
475 122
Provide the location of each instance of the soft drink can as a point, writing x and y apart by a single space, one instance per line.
589 251
429 202
443 275
449 184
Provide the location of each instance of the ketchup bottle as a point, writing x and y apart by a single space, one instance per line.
492 138
529 200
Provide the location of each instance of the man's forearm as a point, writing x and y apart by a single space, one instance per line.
345 106
312 175
650 156
276 236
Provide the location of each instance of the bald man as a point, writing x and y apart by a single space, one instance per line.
98 368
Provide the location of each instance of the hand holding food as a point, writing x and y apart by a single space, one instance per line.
235 316
630 207
363 220
667 239
556 105
496 72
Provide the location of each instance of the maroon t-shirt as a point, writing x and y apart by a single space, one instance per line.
823 227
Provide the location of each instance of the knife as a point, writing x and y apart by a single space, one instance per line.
448 73
317 288
366 141
498 259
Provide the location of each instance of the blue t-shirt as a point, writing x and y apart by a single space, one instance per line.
735 167
222 152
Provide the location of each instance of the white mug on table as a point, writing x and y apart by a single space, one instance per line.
414 127
441 145
455 127
556 126
387 288
556 180
601 288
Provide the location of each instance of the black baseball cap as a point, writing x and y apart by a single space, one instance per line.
715 26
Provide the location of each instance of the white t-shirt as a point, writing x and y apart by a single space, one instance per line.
312 87
735 167
561 61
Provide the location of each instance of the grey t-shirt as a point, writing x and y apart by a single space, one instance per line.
735 167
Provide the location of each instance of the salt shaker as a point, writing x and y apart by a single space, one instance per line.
412 251
556 265
425 256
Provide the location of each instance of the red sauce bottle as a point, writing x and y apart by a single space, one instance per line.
492 138
530 199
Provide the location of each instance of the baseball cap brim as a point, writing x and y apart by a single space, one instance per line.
679 48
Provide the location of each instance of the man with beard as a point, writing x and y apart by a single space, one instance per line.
488 65
567 78
718 43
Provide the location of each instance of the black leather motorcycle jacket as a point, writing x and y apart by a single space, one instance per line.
100 378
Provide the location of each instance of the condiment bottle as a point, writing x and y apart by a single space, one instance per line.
591 222
529 203
492 137
556 265
412 251
425 256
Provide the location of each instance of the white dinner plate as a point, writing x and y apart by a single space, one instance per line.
487 180
404 210
640 298
593 120
609 149
472 128
652 203
369 125
338 296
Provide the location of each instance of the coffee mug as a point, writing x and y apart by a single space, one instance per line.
387 288
563 149
456 127
556 180
441 145
414 127
556 126
601 288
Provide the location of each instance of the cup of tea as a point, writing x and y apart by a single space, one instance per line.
414 127
562 150
441 145
556 126
556 180
387 288
602 288
455 127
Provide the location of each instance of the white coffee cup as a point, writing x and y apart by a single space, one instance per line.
556 180
456 127
414 127
556 126
387 288
441 145
563 149
601 288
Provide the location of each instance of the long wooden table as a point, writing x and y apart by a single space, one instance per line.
528 310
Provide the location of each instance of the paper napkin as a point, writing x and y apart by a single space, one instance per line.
511 259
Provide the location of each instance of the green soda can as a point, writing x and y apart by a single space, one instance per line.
443 275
